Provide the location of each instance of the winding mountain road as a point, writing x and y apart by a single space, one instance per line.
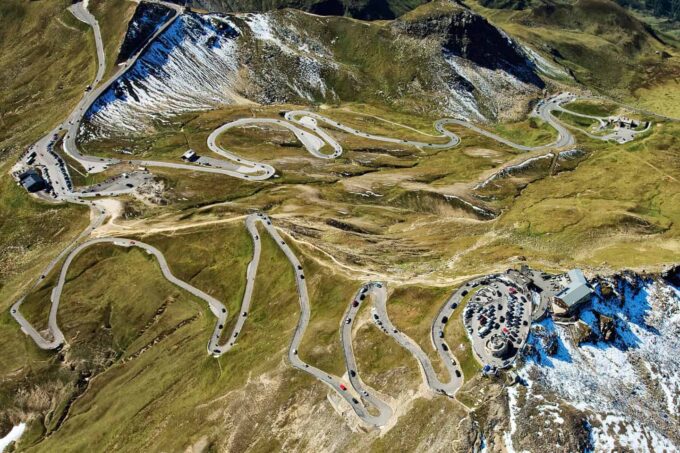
306 126
57 337
359 397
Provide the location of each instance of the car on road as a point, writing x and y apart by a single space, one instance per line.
343 387
444 347
355 303
348 320
352 373
457 373
355 401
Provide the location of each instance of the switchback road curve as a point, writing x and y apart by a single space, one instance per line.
359 397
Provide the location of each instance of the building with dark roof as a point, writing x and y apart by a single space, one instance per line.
32 181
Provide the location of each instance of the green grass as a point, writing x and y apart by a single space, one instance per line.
576 121
58 69
593 108
31 231
530 132
113 18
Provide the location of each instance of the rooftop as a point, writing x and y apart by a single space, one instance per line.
576 290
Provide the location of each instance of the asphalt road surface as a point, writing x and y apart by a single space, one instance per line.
306 127
57 337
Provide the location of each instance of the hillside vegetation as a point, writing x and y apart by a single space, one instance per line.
604 47
135 375
359 9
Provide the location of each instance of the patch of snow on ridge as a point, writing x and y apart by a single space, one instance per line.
629 388
260 26
12 436
513 410
191 66
542 64
614 431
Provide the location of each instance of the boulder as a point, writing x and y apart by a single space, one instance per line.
607 327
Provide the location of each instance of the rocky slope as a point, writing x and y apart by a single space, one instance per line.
616 388
204 61
360 9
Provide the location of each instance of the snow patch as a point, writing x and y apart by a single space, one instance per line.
629 388
12 436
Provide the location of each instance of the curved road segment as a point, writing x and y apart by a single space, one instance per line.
58 339
358 397
306 127
303 124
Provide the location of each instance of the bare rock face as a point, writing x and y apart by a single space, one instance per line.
470 36
607 327
583 333
360 9
606 289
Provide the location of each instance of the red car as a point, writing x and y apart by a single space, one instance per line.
342 387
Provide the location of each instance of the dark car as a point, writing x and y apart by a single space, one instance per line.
457 373
445 319
444 347
355 303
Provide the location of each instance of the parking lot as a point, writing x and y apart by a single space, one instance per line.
497 318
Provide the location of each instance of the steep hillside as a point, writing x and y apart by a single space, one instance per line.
615 375
604 47
422 62
360 9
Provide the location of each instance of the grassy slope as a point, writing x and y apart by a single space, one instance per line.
46 56
31 232
604 46
621 199
113 17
